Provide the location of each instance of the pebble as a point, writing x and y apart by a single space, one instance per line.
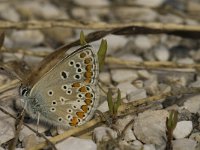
73 143
151 86
10 14
136 14
101 134
143 42
129 135
144 74
149 127
105 77
126 88
121 75
149 147
137 145
27 38
122 122
103 107
161 53
183 129
136 95
184 144
147 3
92 3
170 18
195 136
193 104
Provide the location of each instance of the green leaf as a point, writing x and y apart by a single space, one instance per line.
82 39
102 54
110 101
118 102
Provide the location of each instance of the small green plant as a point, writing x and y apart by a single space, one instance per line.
171 123
113 105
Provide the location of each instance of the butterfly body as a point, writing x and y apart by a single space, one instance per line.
66 95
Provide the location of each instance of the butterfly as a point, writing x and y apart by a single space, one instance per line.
67 94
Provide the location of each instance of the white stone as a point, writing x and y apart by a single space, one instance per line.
193 104
121 75
136 95
161 53
73 143
195 84
27 38
122 122
150 3
103 107
151 86
129 135
144 74
149 147
195 136
10 14
185 60
138 84
126 88
184 144
143 42
105 77
92 3
150 127
183 129
137 145
103 134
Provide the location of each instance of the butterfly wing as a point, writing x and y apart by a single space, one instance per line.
67 95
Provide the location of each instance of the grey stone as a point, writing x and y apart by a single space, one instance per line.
149 3
161 53
184 144
193 104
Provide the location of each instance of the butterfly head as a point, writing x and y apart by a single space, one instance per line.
24 90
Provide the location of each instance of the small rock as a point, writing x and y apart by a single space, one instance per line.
92 3
136 14
129 135
137 145
27 38
73 143
161 53
195 84
170 18
149 147
121 75
147 3
103 107
126 88
138 84
195 136
101 134
9 14
105 77
136 95
150 128
185 61
29 141
183 129
143 42
184 144
122 122
164 88
151 86
144 74
193 104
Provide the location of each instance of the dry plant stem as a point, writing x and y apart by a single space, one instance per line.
19 123
36 24
39 134
150 64
10 85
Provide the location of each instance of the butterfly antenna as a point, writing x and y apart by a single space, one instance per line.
38 120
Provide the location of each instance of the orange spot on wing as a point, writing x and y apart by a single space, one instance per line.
83 89
87 60
88 95
88 68
84 108
80 114
88 101
74 121
82 55
76 84
88 80
88 74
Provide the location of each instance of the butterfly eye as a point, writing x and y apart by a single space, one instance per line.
24 91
